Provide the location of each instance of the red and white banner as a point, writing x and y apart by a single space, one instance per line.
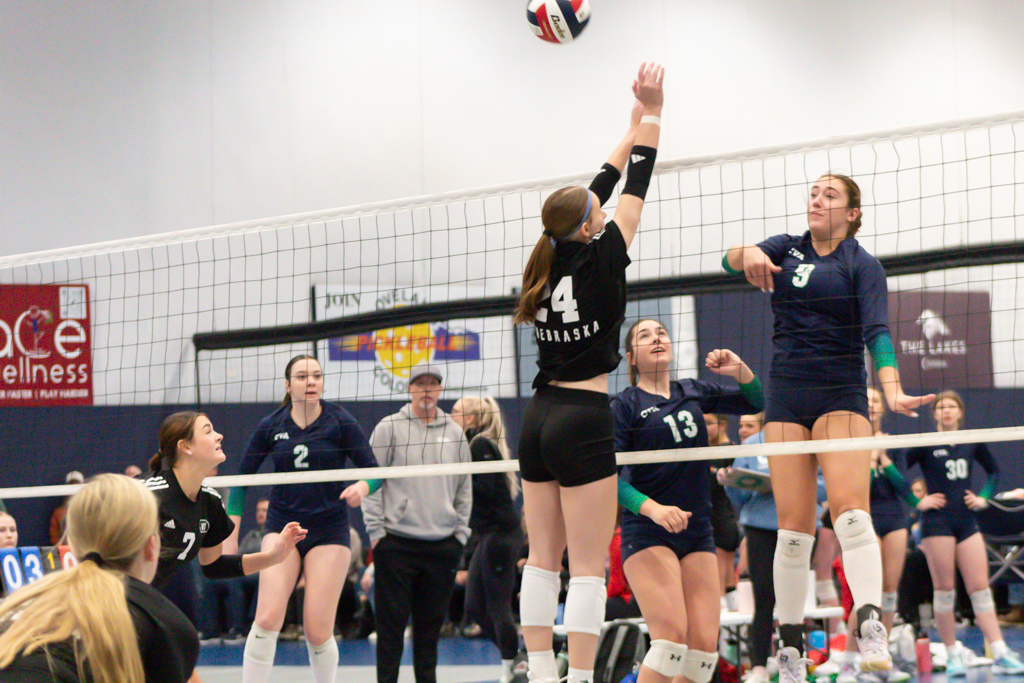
45 345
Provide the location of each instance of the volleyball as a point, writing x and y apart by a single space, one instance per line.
558 21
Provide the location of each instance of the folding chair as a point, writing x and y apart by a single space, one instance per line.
1002 527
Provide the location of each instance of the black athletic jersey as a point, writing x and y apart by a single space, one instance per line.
648 422
168 643
578 322
493 508
326 444
186 525
826 308
947 470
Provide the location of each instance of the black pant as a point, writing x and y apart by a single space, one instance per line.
492 578
414 576
761 560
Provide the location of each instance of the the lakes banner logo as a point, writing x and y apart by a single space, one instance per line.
45 345
377 365
942 339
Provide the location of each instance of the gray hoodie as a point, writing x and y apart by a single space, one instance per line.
427 508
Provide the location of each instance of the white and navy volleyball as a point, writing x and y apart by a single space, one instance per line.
558 21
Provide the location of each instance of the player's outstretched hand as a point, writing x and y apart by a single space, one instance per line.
291 534
905 405
354 493
647 86
724 362
670 517
758 269
933 501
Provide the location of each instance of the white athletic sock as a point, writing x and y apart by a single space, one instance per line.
506 668
258 658
862 557
792 562
999 648
581 675
542 665
323 660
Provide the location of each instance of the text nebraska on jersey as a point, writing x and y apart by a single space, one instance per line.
570 335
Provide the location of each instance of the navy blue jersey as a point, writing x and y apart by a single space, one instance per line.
826 308
332 439
648 422
186 525
947 470
578 321
883 491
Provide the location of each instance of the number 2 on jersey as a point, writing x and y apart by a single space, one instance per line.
301 453
802 275
689 426
562 302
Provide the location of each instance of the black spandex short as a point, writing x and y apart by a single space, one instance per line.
960 524
723 520
331 532
888 516
640 533
567 436
803 402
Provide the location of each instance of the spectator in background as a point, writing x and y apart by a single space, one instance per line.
725 528
418 526
8 531
133 471
57 518
496 526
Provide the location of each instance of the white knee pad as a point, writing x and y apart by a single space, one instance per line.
982 601
944 601
854 529
793 549
890 601
666 658
825 590
261 645
538 599
584 605
700 666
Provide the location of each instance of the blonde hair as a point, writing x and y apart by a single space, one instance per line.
113 516
487 414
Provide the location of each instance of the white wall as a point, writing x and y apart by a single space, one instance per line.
136 117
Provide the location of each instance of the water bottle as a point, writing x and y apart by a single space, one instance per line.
923 650
631 676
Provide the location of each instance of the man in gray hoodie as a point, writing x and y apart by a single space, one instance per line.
418 526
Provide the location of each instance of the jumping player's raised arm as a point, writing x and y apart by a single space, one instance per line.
644 151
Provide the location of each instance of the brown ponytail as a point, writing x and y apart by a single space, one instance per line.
177 427
288 375
562 214
852 200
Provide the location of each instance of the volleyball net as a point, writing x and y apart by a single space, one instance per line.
99 343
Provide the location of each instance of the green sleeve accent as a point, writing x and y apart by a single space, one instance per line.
375 484
236 501
990 487
753 392
729 269
893 475
883 355
630 498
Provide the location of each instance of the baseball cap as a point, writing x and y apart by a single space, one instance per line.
426 369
